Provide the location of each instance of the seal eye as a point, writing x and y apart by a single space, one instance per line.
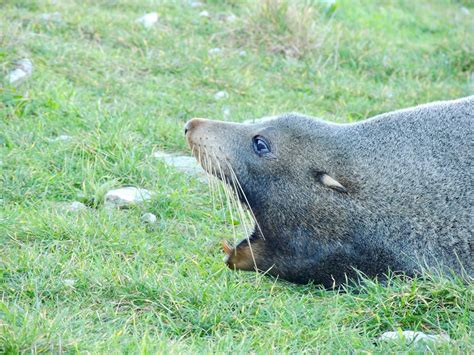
260 145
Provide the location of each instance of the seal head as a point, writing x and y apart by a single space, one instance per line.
332 200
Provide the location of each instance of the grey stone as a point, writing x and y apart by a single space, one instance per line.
75 206
148 20
411 336
195 4
214 51
149 218
226 113
23 70
126 196
69 282
61 138
183 163
231 18
221 95
51 17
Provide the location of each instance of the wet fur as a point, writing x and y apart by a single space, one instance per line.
403 199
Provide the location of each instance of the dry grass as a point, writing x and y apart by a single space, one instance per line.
294 29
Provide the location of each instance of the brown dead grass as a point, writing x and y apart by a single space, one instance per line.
292 28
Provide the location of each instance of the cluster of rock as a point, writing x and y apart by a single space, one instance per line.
128 196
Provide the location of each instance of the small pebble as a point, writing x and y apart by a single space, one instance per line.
243 53
221 95
411 336
214 50
61 138
195 4
328 3
465 11
126 196
148 20
183 163
51 17
226 112
23 69
69 282
231 18
204 14
149 218
75 206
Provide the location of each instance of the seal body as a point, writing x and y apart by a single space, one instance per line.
394 192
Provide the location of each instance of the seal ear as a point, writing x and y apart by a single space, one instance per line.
329 181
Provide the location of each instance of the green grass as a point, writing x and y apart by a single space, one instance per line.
103 281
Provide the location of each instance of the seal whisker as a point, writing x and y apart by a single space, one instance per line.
228 199
234 203
246 200
246 218
242 215
210 179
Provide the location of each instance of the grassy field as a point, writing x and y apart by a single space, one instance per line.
102 280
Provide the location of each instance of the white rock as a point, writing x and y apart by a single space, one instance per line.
61 138
328 3
149 218
226 112
465 11
51 17
231 18
183 163
411 336
196 4
24 69
214 50
75 206
69 282
243 53
221 95
126 196
204 14
148 20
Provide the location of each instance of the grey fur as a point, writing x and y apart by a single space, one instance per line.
407 198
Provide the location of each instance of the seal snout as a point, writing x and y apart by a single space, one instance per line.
188 126
191 124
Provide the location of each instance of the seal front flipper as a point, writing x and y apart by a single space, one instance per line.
248 255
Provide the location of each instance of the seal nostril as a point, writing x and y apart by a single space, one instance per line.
187 127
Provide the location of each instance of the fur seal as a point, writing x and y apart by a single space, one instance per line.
394 192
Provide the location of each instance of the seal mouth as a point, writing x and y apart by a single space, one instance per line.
227 192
